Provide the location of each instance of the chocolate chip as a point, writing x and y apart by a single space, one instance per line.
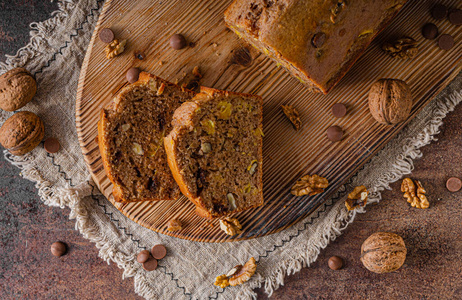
339 110
143 256
150 264
446 42
106 35
132 75
177 42
51 145
159 251
454 184
241 56
335 263
140 55
318 39
334 133
58 249
430 31
439 11
455 17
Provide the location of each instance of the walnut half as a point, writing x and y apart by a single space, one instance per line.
237 275
309 185
230 226
414 193
115 48
357 198
174 225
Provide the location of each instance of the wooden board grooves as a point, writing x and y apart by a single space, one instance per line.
288 155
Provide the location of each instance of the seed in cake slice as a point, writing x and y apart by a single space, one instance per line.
215 151
130 137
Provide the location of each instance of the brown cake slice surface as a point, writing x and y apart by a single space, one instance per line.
215 151
130 138
317 41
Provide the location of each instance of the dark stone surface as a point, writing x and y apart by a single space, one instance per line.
432 269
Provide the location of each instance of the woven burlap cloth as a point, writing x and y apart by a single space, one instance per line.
55 54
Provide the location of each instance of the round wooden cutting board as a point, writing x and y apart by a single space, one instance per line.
228 63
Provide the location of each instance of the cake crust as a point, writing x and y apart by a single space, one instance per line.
317 41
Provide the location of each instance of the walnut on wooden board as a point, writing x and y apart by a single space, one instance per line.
230 226
357 198
237 275
309 185
115 48
390 101
174 225
292 114
403 48
414 193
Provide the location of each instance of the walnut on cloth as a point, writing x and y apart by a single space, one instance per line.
357 198
309 185
414 193
237 275
230 226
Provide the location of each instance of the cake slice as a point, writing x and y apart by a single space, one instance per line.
130 138
215 151
317 41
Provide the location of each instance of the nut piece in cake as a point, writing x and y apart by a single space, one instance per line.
390 101
414 193
357 198
230 226
309 185
174 225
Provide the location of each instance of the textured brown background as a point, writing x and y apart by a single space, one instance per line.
432 270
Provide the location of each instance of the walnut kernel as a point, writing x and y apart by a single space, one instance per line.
244 273
230 226
357 198
174 225
309 185
403 48
414 193
292 114
222 281
115 48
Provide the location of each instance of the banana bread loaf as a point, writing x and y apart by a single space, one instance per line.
130 138
215 151
317 41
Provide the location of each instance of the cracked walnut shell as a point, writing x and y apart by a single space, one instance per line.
230 226
309 185
414 193
357 198
390 101
115 48
174 225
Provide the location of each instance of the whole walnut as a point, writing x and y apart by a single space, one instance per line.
17 88
21 133
383 252
390 101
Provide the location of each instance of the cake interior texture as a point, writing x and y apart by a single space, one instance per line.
317 41
132 135
218 150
